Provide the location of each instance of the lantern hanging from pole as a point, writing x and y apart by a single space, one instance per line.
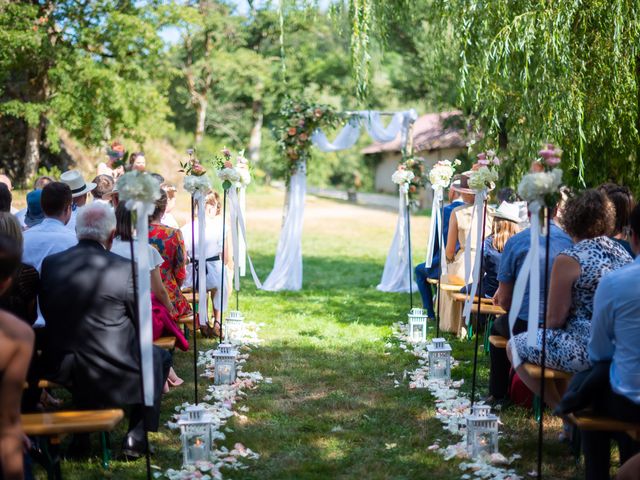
439 352
418 325
224 358
233 324
482 431
196 433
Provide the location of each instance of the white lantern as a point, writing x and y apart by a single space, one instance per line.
233 324
418 325
439 352
224 361
196 433
482 431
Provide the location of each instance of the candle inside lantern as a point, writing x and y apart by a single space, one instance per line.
197 451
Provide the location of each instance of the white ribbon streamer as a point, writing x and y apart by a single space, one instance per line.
436 223
478 213
242 250
143 210
529 275
203 309
237 218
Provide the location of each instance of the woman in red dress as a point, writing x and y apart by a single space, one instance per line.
168 241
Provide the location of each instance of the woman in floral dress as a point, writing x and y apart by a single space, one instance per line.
168 241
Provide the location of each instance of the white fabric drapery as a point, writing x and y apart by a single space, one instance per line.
238 235
479 214
436 224
287 267
143 210
395 276
347 137
203 309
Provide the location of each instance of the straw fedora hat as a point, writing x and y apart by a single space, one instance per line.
76 183
507 211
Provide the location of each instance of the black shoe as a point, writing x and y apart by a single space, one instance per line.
133 449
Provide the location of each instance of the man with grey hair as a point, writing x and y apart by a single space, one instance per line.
88 302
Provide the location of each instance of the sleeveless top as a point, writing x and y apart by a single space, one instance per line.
597 257
466 223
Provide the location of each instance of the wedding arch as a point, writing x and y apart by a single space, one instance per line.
287 268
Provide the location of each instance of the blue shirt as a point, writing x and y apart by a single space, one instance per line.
446 216
615 329
514 254
490 266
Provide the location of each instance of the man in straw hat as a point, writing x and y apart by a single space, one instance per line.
79 192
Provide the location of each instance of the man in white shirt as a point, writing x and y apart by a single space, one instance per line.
79 191
51 236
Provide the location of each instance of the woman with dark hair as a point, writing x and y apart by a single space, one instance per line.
20 298
169 243
137 162
623 204
589 219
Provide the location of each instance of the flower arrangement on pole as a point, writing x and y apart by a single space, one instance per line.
484 173
542 185
442 172
403 177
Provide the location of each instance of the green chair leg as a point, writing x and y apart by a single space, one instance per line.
537 407
470 332
487 332
105 441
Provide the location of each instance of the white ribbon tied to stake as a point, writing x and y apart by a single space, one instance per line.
237 222
529 274
143 210
203 309
478 215
436 223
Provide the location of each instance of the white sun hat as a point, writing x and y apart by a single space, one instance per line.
76 183
508 211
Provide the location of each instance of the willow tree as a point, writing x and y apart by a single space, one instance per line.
566 71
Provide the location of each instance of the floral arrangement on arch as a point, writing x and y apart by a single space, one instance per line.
484 173
298 120
543 184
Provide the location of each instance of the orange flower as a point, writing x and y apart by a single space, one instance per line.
198 170
228 164
292 131
303 136
412 189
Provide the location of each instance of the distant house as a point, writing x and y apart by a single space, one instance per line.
436 136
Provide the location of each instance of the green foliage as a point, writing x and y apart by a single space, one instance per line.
53 172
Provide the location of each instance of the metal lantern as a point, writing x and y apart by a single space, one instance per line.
224 361
233 324
418 325
195 428
439 352
482 431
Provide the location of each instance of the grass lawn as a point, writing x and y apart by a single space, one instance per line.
332 410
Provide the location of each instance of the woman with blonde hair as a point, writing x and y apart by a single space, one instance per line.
213 252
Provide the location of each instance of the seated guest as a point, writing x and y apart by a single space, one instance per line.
112 166
20 298
16 345
79 192
5 198
34 214
51 235
422 272
505 225
631 468
168 241
623 203
460 223
588 219
613 348
37 216
87 299
137 162
104 189
513 255
168 219
6 181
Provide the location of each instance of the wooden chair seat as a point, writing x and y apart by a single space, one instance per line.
64 423
498 341
462 297
535 371
604 424
166 343
485 308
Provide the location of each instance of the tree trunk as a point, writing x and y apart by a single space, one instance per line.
32 150
255 140
201 114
